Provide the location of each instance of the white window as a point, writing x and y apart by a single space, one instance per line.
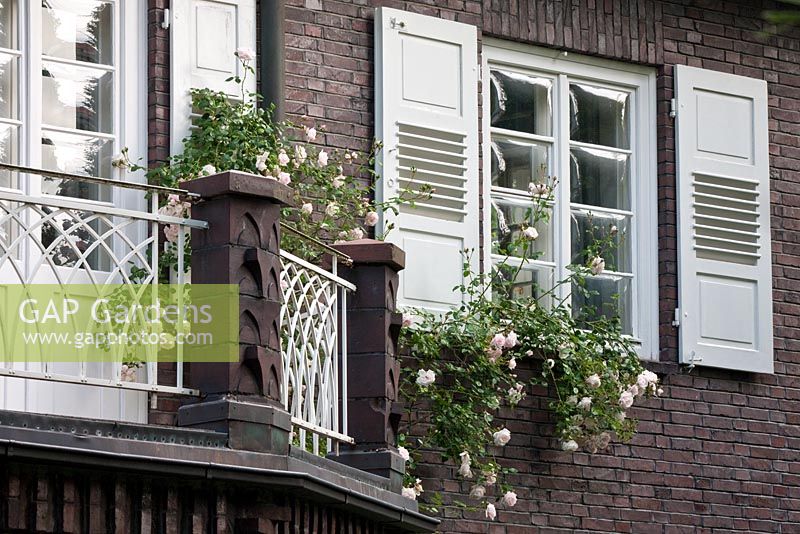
72 94
590 124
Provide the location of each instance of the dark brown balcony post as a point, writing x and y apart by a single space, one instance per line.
373 328
242 246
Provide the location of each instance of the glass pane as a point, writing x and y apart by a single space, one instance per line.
605 296
78 98
8 38
521 102
598 115
8 86
509 219
78 29
9 137
529 281
515 164
599 178
77 154
71 236
590 227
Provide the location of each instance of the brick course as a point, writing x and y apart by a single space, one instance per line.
721 451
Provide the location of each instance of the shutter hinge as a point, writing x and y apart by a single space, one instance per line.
676 320
166 21
694 359
673 108
394 23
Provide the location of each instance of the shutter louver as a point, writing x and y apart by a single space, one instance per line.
725 275
205 36
427 119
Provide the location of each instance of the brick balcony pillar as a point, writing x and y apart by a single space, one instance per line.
373 329
241 246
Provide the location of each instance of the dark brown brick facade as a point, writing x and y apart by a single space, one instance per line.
721 451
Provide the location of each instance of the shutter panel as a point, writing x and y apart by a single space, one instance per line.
427 118
205 35
725 276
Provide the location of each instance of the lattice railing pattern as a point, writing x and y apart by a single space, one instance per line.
62 240
313 322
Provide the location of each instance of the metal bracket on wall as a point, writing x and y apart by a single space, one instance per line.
673 109
165 22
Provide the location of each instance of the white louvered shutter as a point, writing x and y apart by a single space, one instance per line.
205 35
725 273
427 118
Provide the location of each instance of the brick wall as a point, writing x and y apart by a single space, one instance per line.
721 451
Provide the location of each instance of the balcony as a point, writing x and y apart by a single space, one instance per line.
299 405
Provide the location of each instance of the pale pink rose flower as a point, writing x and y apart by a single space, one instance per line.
283 158
512 364
307 208
501 437
510 499
499 341
626 400
404 454
494 353
530 233
585 403
477 491
593 381
425 377
245 53
597 265
338 181
300 153
171 232
491 512
284 178
322 158
261 161
408 320
371 219
311 134
511 340
355 233
569 445
284 285
409 493
173 199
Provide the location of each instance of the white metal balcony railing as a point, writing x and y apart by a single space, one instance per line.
64 240
314 350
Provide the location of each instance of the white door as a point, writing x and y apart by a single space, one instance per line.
77 97
205 36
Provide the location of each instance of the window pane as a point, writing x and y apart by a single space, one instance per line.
75 97
598 115
78 29
8 153
515 164
8 38
529 281
605 296
77 154
8 86
509 219
590 227
521 103
599 178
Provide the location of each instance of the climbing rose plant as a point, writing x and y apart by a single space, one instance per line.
331 202
462 367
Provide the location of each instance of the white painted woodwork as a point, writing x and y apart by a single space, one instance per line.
205 36
427 118
725 275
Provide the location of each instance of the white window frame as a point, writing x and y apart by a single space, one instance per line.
130 92
129 107
564 67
